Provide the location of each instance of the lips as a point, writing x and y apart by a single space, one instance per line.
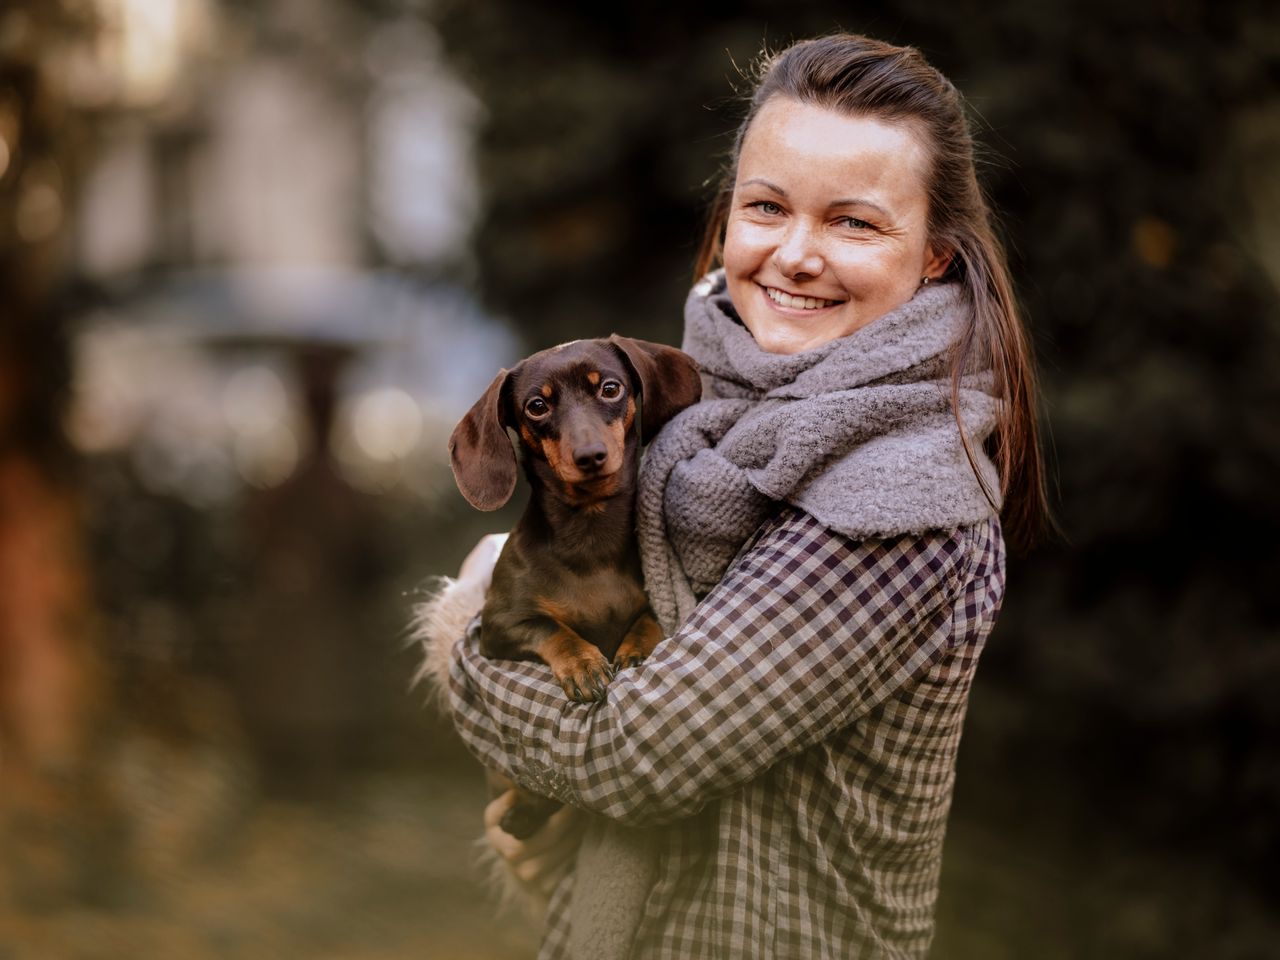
783 299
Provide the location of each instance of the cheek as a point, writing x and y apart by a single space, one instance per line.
744 247
873 271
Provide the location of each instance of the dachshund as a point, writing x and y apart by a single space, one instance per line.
567 588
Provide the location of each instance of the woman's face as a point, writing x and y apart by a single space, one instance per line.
827 228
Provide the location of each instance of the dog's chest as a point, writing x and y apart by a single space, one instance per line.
605 603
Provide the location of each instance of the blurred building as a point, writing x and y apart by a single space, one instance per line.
273 324
267 177
238 326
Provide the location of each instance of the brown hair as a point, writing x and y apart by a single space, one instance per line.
856 75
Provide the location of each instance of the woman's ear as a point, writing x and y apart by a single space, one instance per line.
483 460
937 260
667 380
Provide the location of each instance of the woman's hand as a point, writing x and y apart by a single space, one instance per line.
541 861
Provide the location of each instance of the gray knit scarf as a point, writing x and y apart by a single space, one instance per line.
858 433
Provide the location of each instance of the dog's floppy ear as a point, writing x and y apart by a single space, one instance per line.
668 381
483 460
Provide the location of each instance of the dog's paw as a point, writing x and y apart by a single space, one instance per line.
628 655
640 641
584 677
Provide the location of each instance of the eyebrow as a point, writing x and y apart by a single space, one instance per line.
851 202
761 181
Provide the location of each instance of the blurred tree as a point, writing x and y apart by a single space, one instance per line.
309 598
50 684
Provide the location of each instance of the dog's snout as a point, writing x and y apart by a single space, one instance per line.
590 456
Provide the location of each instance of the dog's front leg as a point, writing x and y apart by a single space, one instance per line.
642 636
580 668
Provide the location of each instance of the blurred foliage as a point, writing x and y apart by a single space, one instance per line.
57 822
1126 710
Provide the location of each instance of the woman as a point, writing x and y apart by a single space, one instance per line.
820 541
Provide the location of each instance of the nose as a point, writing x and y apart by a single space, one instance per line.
799 254
589 457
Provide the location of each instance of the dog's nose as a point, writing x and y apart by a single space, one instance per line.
589 456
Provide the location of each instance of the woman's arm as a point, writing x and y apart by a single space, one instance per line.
807 632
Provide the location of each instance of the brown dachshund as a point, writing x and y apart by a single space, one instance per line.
567 588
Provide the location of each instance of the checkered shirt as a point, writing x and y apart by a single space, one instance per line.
797 737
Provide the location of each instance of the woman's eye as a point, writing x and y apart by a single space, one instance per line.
611 390
855 223
767 207
537 408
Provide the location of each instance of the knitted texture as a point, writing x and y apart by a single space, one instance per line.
858 433
615 869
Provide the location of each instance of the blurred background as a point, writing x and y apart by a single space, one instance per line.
257 258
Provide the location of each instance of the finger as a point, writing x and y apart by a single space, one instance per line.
544 873
498 806
553 845
560 830
532 871
529 868
558 857
507 847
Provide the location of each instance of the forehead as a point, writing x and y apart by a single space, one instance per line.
570 364
821 154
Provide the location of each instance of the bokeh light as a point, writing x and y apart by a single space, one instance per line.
386 423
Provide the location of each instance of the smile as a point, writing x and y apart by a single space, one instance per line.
798 303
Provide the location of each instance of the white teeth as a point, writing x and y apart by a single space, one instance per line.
800 303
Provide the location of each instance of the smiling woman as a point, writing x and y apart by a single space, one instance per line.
828 227
822 544
844 112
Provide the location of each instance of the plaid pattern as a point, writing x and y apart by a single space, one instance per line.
798 735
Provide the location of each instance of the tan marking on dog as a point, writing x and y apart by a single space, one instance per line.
551 451
564 644
617 440
556 610
590 496
644 635
527 436
631 412
594 378
572 659
546 390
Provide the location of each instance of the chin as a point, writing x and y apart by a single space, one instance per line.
783 345
772 338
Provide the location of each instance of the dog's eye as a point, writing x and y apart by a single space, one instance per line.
537 408
611 390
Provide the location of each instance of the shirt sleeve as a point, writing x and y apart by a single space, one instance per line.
807 632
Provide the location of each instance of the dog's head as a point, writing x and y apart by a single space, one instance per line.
573 408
